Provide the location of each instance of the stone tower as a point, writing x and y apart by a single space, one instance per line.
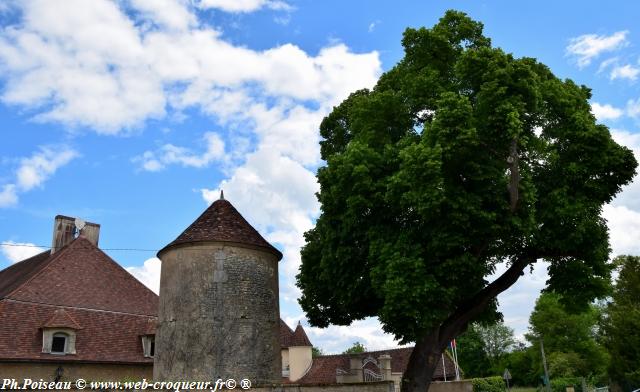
219 312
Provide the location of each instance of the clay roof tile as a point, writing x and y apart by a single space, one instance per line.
61 319
221 222
300 337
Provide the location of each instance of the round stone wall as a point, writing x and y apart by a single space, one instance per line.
218 315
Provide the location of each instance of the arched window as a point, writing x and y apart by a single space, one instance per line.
59 343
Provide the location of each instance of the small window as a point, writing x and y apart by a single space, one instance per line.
59 343
148 346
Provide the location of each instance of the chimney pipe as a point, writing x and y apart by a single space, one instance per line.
64 231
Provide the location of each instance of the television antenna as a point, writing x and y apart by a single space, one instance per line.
80 224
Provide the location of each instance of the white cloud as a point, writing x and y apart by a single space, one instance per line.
623 214
373 25
35 170
173 14
169 154
630 195
8 195
18 251
589 46
624 229
336 338
605 112
633 108
57 62
517 302
244 5
607 63
148 273
625 72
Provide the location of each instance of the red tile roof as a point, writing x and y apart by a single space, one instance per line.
286 335
61 319
300 337
221 222
81 275
323 369
15 275
107 337
78 287
290 338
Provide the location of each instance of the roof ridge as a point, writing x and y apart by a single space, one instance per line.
128 274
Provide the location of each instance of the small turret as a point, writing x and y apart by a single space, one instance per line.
219 308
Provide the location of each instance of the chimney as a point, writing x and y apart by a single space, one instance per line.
64 231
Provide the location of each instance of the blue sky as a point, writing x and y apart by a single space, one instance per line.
134 113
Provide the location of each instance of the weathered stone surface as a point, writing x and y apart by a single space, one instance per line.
218 315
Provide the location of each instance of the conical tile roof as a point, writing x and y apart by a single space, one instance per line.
221 222
300 337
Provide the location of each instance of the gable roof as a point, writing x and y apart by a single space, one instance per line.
323 368
221 222
61 319
78 275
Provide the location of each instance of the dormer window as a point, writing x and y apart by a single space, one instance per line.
59 334
148 345
59 343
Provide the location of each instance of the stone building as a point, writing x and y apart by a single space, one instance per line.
219 307
72 312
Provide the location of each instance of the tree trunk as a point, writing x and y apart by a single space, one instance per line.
422 364
428 350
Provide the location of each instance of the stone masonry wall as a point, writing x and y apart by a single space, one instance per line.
218 315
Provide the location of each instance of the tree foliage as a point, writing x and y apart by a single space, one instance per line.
472 355
570 339
621 326
460 158
498 340
483 348
356 348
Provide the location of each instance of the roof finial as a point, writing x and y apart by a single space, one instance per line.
221 194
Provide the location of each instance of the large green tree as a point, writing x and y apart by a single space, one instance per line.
460 158
472 355
570 338
482 349
621 326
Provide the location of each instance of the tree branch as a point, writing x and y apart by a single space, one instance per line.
478 303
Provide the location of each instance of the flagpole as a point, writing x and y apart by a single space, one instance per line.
455 354
444 368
